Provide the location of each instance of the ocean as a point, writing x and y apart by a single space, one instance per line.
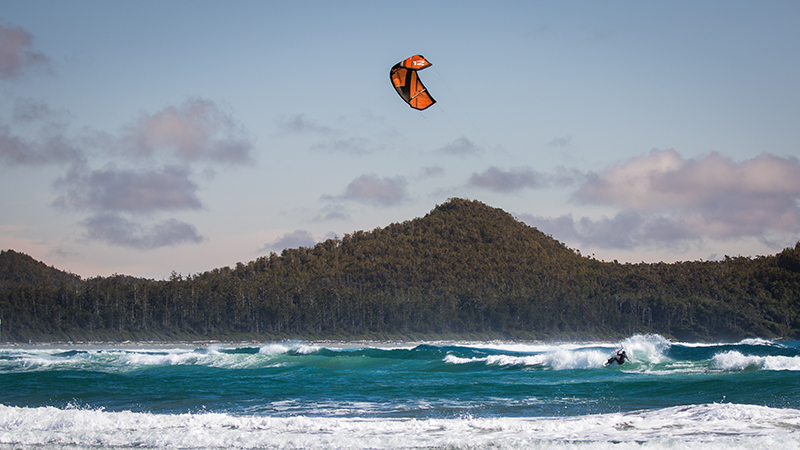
390 395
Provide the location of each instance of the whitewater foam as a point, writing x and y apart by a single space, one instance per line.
279 349
735 360
503 396
561 359
748 341
758 341
698 426
649 348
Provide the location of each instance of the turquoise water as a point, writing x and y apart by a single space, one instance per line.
398 395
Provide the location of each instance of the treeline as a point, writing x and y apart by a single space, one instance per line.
464 269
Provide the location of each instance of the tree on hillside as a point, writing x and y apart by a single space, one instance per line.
463 269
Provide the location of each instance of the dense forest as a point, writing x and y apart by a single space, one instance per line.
465 270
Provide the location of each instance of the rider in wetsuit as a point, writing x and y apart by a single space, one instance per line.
620 358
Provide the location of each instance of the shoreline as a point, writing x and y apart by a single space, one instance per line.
118 339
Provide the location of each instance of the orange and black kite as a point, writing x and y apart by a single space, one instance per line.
405 79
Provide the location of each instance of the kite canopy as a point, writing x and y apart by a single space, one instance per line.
405 79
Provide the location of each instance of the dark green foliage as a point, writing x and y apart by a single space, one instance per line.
789 259
19 268
465 269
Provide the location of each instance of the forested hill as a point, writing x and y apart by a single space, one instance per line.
465 269
18 268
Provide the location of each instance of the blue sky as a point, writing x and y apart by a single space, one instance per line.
145 137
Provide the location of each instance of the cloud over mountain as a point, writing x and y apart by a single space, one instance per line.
713 195
666 200
295 239
152 170
119 231
372 190
135 191
499 180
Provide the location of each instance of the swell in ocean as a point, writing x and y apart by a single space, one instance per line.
403 395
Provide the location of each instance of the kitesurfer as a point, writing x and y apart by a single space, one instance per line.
619 357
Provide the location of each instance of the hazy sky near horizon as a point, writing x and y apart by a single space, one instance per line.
145 137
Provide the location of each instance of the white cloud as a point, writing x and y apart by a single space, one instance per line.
352 145
119 231
667 201
133 191
431 171
626 230
333 212
371 190
29 110
511 180
560 142
460 147
111 194
295 239
300 124
713 196
51 146
198 130
16 55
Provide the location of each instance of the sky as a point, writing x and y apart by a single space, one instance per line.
147 137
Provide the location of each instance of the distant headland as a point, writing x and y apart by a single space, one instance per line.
463 271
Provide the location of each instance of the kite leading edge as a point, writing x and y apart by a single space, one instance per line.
407 83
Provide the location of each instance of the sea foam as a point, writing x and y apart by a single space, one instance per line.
557 360
714 426
735 360
642 349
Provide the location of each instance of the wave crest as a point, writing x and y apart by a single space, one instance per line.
720 426
735 360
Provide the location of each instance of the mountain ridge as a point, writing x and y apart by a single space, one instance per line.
465 268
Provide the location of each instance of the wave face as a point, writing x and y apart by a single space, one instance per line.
421 395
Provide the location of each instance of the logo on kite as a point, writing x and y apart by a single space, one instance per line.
407 83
